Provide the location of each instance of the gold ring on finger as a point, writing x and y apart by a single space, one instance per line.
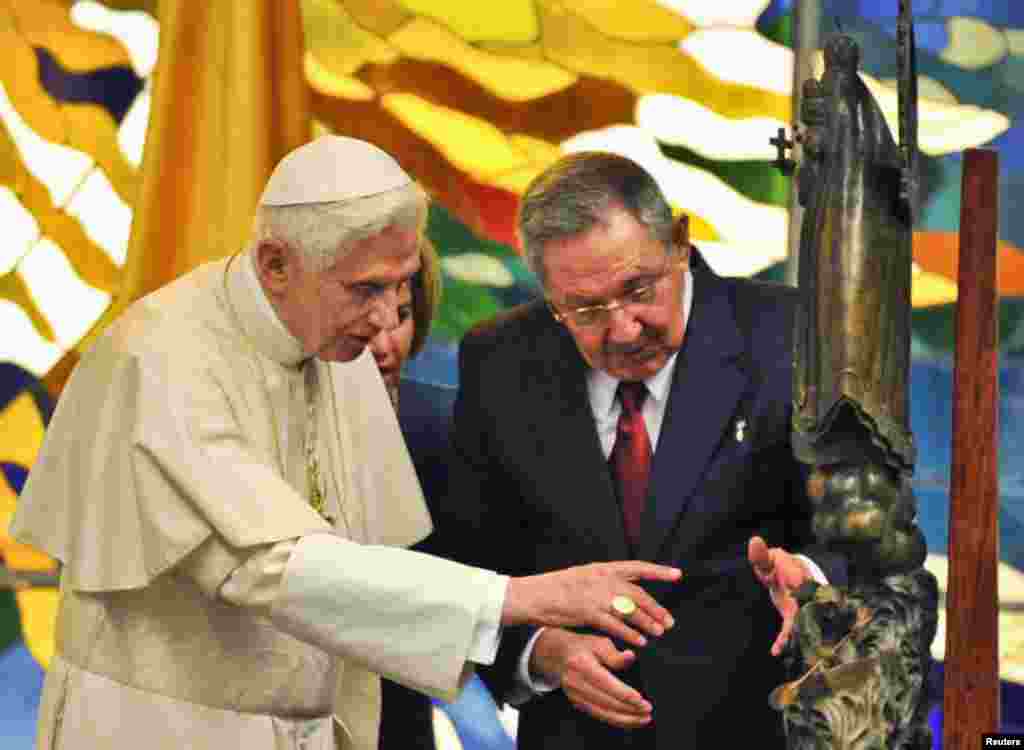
623 606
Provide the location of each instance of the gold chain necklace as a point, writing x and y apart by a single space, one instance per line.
313 483
316 495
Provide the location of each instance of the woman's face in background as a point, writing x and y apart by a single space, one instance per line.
390 347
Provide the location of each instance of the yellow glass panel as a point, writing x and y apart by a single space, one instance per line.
8 500
138 32
321 128
17 556
535 149
91 129
339 44
537 154
26 93
511 78
1014 42
635 21
517 180
70 305
21 435
742 56
569 40
700 230
87 258
149 6
973 44
21 431
468 143
531 51
104 216
709 13
14 289
333 84
85 127
22 343
12 172
47 23
21 557
512 21
38 608
380 17
930 289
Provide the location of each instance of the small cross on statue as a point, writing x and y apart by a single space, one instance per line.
782 145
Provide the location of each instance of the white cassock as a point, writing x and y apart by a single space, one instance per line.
205 604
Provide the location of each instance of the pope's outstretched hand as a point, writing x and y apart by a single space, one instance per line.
584 596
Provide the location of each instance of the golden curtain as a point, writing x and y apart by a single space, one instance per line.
229 101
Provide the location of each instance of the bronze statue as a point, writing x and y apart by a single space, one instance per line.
863 651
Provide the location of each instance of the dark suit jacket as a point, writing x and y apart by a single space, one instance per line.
530 492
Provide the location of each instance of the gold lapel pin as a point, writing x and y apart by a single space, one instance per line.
741 429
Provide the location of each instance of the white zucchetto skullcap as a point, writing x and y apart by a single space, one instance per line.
332 168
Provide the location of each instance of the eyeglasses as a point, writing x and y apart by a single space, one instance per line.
593 316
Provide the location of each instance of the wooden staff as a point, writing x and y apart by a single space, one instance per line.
971 701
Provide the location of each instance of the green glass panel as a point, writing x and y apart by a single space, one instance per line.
10 619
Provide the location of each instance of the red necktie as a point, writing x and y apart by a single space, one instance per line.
631 457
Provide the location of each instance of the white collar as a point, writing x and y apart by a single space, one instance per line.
259 321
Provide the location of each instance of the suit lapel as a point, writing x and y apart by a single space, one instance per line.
706 387
572 457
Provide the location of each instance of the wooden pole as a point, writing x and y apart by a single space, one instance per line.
971 701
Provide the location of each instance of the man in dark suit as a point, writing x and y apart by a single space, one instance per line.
641 410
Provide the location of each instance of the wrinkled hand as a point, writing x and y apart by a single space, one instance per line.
583 666
783 574
582 596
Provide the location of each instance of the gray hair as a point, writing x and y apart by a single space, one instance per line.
575 194
324 232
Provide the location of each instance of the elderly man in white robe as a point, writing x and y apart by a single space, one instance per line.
226 488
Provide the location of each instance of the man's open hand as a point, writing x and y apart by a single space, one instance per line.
783 574
583 665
